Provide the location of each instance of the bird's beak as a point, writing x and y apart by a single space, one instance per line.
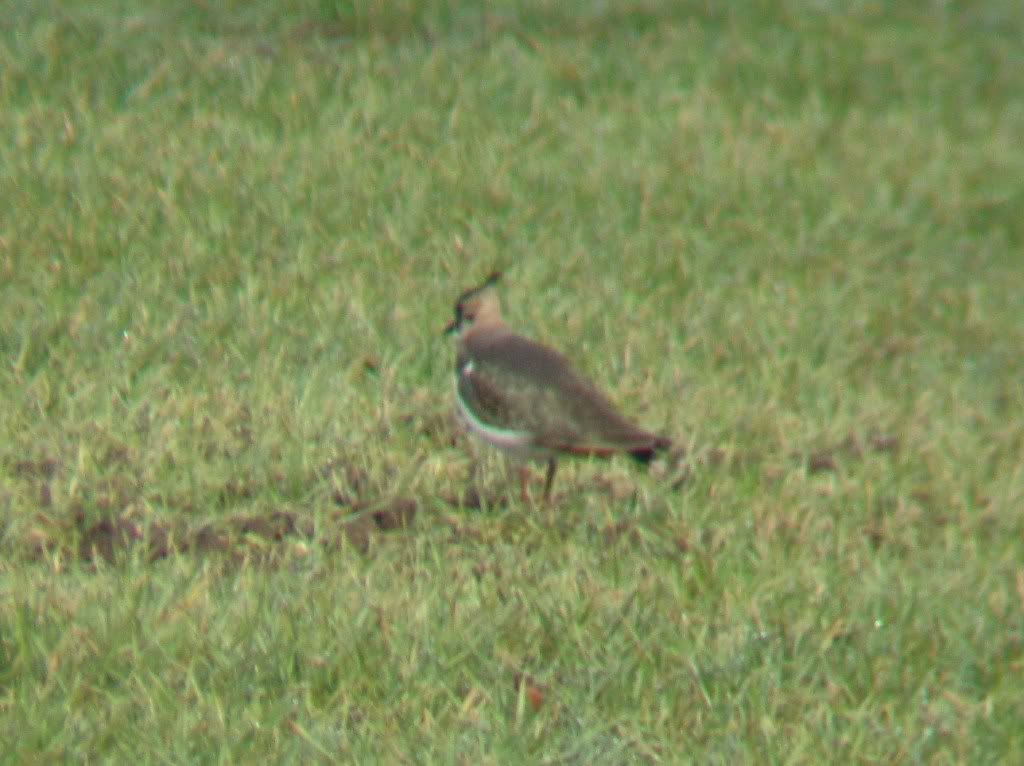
449 329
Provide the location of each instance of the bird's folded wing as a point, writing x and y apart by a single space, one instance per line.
502 397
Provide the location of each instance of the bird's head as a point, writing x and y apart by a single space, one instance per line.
476 307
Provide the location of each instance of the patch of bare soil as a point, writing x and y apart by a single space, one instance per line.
471 499
359 524
261 537
852 448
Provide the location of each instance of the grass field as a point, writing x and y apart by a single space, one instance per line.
237 523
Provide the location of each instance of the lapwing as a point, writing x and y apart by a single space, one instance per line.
526 399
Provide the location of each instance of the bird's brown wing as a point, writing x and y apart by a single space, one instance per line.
517 383
503 398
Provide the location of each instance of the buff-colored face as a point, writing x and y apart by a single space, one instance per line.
477 305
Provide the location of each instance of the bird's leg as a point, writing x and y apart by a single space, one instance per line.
524 482
549 479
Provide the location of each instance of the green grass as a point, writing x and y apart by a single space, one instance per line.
232 518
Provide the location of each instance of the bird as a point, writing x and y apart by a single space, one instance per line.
527 400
